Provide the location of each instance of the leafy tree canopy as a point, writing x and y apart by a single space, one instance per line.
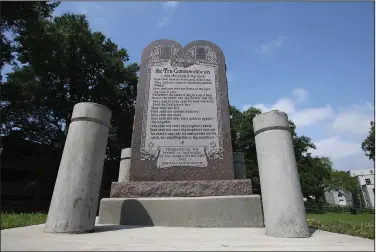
18 16
313 171
368 145
65 63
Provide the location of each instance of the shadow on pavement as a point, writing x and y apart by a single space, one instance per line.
107 228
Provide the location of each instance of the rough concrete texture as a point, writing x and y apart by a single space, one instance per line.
220 211
133 238
75 198
282 197
125 165
181 188
239 165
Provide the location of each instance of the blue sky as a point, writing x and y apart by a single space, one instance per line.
313 60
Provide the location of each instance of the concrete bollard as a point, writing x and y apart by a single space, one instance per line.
239 165
125 165
282 198
75 198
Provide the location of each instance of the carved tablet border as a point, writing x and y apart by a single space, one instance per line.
181 59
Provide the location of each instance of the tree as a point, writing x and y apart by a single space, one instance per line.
243 139
314 172
302 144
64 63
343 180
368 145
18 16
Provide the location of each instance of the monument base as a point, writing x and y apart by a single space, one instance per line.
197 188
218 211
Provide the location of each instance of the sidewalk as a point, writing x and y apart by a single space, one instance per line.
108 237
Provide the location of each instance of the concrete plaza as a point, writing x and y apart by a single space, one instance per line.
122 238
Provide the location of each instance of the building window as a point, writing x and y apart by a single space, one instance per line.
371 171
341 200
373 189
368 181
336 190
340 194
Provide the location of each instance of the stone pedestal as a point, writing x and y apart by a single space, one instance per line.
181 171
75 198
125 165
202 203
200 188
282 197
213 211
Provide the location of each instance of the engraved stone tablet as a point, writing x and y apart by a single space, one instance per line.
182 125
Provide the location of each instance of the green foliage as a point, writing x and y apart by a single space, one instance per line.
342 180
313 171
243 139
344 223
18 16
64 63
12 220
368 145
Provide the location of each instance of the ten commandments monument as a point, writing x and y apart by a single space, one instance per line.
182 124
181 144
179 171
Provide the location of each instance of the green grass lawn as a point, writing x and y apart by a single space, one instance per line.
362 225
12 220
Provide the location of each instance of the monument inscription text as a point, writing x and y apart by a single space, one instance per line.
181 126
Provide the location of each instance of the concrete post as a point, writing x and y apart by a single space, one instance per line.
125 165
239 165
282 198
75 198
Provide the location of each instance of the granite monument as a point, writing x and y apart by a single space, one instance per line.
181 169
181 144
182 124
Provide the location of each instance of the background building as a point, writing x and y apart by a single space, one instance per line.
338 197
366 181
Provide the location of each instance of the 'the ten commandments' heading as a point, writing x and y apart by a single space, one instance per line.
177 70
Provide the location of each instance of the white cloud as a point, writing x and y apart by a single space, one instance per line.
262 107
303 117
300 94
169 8
98 7
272 46
284 104
343 149
355 119
335 148
310 116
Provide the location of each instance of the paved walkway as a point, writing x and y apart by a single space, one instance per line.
107 237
